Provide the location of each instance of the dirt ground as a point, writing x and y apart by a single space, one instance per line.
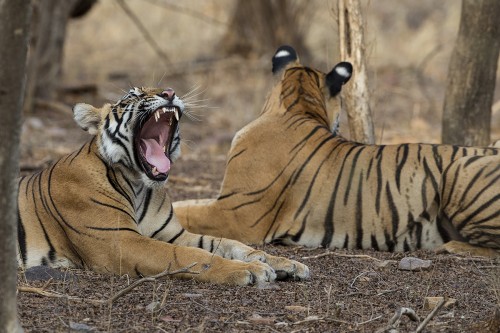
349 291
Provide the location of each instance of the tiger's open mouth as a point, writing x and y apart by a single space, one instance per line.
153 140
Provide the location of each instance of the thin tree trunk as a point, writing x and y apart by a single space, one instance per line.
14 31
472 75
352 49
46 50
258 27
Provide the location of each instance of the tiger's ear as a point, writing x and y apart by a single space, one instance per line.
338 76
87 117
284 55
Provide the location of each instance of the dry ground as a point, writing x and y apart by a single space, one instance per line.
409 44
348 291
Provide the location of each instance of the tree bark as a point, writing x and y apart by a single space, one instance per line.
14 31
352 49
258 27
47 45
472 75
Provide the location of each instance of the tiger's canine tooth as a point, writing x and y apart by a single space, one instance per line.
176 114
155 170
164 109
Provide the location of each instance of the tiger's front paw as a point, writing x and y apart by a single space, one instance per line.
236 272
285 268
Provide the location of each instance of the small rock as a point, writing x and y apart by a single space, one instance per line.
267 285
80 327
153 306
381 265
414 264
45 273
281 324
431 302
258 319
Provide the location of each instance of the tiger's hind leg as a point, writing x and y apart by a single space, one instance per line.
463 248
470 206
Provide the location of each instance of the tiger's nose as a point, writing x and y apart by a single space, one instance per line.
169 94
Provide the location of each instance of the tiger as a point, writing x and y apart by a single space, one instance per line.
292 179
105 206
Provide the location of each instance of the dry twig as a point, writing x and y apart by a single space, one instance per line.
42 292
328 253
46 293
392 325
150 279
431 315
149 39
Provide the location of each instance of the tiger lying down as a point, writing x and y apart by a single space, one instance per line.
105 206
290 180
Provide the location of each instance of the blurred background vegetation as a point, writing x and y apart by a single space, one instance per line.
223 48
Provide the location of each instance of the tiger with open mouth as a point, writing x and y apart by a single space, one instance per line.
105 206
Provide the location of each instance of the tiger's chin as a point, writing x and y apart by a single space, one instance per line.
152 183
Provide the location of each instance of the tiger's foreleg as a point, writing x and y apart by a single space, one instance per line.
470 203
208 217
232 249
137 255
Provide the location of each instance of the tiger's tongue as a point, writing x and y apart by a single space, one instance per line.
155 155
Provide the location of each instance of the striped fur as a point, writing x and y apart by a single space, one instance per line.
289 179
103 208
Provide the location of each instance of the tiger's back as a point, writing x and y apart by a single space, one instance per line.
290 179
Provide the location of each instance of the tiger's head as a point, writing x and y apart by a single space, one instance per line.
300 86
139 131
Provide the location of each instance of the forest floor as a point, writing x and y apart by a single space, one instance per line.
409 46
349 291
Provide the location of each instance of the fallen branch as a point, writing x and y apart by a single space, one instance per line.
369 320
151 279
431 315
392 325
147 36
466 258
61 108
328 253
332 320
42 292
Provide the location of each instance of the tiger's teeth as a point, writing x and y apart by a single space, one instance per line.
157 115
155 170
176 114
164 149
164 109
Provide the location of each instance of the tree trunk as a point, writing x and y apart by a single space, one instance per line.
258 27
352 49
472 75
14 31
46 47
